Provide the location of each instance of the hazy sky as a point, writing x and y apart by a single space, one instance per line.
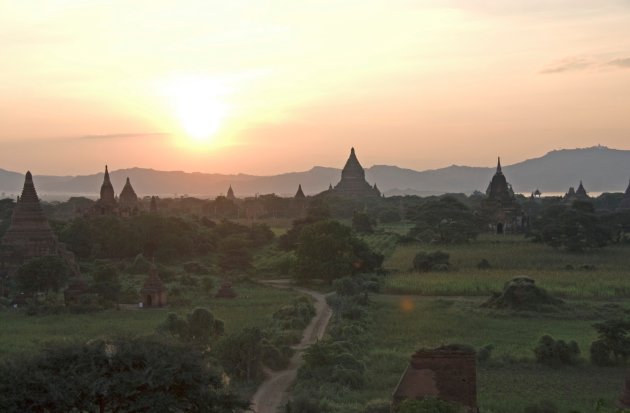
268 86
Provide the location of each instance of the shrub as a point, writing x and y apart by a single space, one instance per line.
556 352
377 406
433 261
193 267
484 353
484 264
303 404
544 406
613 342
427 405
140 265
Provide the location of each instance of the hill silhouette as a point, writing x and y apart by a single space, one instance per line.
601 169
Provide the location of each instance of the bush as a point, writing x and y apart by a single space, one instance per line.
601 354
484 353
544 406
194 267
303 404
613 345
555 353
377 406
484 264
140 265
433 261
427 405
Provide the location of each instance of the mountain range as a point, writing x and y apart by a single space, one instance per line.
600 168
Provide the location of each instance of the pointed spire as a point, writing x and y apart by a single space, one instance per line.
107 190
499 165
230 193
628 189
330 187
299 193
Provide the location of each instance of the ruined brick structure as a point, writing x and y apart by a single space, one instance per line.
153 291
448 373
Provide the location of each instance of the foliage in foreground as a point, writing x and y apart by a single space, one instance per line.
140 374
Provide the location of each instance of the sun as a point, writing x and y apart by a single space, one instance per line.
198 105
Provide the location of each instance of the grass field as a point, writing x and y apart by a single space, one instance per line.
504 386
607 274
23 333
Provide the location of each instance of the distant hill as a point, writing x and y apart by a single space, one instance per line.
601 169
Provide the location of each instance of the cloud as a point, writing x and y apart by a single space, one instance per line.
121 136
570 64
622 63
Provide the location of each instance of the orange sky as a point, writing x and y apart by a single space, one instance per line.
270 86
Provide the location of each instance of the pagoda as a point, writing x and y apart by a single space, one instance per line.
107 204
230 193
500 205
353 183
128 200
29 234
153 291
299 194
576 195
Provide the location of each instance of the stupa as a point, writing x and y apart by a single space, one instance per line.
353 183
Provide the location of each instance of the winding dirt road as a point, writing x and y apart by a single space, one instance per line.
274 391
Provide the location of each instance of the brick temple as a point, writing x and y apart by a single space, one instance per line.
29 234
353 183
448 373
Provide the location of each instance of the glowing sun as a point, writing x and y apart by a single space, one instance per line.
198 105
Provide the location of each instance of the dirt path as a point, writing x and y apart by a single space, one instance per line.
273 393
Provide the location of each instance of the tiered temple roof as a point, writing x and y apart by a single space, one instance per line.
353 183
107 204
499 189
576 195
29 233
128 197
230 193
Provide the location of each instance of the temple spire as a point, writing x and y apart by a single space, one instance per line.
299 193
499 165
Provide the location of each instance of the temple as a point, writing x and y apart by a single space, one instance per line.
576 195
625 202
230 193
353 183
106 204
29 234
128 200
153 291
500 205
299 194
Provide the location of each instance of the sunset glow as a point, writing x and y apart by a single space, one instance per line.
198 104
442 81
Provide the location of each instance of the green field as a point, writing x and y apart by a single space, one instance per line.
606 274
506 383
20 332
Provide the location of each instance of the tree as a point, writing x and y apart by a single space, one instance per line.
362 222
107 282
444 220
613 344
140 375
574 228
43 274
234 253
327 250
241 353
200 327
